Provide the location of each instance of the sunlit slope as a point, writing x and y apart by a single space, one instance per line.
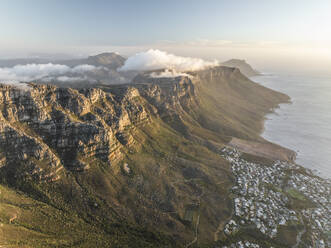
134 165
227 104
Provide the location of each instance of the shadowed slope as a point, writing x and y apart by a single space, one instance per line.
139 163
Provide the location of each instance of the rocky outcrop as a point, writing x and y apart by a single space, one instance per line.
64 127
55 127
129 159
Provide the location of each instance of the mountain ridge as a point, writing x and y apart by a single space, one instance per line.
138 163
243 66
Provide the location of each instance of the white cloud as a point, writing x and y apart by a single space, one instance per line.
22 86
30 72
70 79
169 74
156 59
83 68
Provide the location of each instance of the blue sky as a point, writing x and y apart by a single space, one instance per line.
81 26
101 22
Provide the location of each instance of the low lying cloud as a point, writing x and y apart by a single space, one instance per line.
83 68
22 86
66 79
156 59
31 72
169 74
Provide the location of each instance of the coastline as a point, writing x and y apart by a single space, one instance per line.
266 148
278 113
273 111
302 185
304 125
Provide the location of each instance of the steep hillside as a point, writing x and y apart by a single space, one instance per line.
135 165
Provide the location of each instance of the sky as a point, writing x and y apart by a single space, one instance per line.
270 34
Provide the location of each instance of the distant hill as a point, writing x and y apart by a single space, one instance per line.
105 72
242 65
109 60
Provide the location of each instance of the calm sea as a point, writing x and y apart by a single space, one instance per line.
305 125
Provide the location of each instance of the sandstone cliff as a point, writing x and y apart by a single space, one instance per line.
138 162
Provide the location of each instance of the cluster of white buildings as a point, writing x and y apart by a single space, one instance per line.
319 192
261 199
242 244
231 227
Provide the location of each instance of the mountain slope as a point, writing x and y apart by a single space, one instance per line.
140 163
242 65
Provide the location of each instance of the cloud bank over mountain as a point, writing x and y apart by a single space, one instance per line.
168 73
31 72
156 59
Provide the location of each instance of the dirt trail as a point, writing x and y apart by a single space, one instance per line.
13 218
196 224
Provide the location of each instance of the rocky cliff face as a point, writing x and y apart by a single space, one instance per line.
47 128
132 161
63 127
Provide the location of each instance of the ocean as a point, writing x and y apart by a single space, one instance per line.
304 125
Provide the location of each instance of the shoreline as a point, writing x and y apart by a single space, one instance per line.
314 171
266 148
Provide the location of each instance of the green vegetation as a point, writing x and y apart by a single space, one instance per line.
288 234
176 173
296 194
298 200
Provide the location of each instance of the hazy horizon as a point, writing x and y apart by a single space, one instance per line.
272 36
165 123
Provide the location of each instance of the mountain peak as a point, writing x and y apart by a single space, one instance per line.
106 55
110 60
243 66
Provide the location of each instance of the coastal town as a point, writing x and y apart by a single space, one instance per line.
279 194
